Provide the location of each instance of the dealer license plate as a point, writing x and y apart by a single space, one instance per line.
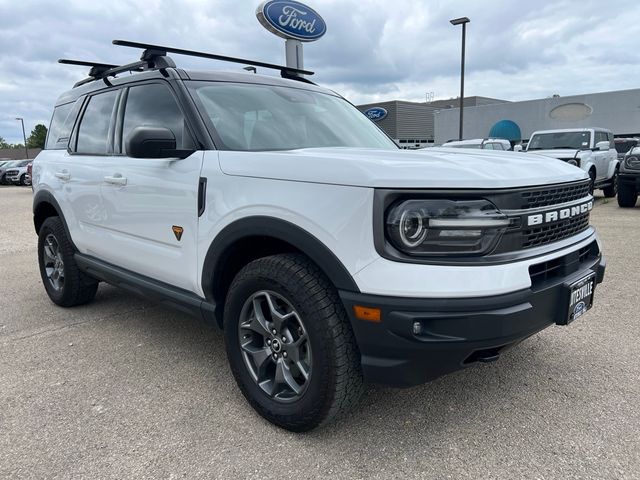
581 297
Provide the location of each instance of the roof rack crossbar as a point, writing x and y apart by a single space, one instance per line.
285 71
103 70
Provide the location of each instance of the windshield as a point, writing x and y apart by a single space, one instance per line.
624 147
550 141
265 117
12 163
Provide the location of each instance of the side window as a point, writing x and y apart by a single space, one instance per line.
93 134
601 137
488 146
154 105
56 132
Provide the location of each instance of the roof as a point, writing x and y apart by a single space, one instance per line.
562 130
179 74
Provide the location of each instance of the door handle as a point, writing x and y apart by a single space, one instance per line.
116 179
63 175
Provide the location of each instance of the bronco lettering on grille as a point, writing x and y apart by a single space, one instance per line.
561 214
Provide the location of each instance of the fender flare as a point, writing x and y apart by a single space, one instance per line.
262 226
44 196
613 166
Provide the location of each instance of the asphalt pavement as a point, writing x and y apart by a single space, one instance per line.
123 388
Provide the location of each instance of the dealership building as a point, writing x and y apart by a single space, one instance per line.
413 124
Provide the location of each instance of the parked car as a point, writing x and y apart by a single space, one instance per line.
272 208
9 165
591 149
624 145
482 143
18 174
629 179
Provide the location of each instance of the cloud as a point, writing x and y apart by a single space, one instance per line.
373 50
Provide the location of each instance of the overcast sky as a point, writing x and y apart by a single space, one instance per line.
373 50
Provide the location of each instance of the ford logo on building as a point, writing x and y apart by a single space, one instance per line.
376 113
289 19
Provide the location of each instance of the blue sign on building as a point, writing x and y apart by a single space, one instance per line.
375 113
290 19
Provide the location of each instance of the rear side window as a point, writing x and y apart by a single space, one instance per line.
93 134
601 137
154 105
61 124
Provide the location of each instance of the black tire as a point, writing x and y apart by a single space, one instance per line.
627 196
23 179
592 181
75 287
612 190
334 385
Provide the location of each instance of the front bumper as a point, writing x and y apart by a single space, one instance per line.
629 179
455 333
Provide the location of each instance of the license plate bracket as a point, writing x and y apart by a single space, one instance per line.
579 298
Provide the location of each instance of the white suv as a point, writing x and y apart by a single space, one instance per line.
591 149
481 143
272 208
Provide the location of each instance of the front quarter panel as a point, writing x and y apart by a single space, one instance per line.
338 216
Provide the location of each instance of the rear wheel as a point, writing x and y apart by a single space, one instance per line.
592 181
612 190
65 284
290 343
627 196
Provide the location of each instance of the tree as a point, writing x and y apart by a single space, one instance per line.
3 143
37 137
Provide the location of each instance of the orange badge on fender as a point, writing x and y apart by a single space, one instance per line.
177 231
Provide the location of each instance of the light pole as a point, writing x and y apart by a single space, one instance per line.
461 21
24 135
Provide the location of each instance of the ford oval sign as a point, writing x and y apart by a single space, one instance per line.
289 19
376 113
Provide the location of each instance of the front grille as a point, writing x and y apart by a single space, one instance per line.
563 266
536 236
545 197
12 172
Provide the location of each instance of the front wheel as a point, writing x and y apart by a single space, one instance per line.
290 343
65 284
627 196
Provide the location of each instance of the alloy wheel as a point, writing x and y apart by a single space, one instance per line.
275 346
53 263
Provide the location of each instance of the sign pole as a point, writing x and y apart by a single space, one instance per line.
294 53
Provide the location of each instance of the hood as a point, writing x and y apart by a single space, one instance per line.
428 168
557 152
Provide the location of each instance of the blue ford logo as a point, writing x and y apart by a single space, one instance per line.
579 309
376 113
289 19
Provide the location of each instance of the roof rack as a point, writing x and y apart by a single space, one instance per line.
155 57
103 70
285 72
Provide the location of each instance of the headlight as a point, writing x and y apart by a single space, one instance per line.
445 227
632 162
574 162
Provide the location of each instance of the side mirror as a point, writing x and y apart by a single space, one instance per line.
517 148
153 142
604 145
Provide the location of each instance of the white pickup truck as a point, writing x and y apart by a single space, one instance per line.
591 149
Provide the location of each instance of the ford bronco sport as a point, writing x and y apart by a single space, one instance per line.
273 208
